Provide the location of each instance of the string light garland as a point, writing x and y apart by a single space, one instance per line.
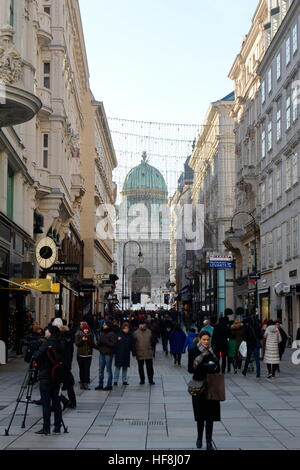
168 146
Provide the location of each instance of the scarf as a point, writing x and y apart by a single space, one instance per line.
203 353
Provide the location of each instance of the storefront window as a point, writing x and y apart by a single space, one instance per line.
265 307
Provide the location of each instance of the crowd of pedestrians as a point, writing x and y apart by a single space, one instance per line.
135 335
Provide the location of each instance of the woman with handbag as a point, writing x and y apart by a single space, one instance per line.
203 361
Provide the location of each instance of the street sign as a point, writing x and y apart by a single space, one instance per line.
254 277
221 264
64 269
87 289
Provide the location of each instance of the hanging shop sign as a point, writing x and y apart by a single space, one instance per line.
65 269
41 285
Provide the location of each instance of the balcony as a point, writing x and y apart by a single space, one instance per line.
42 185
44 29
17 106
45 96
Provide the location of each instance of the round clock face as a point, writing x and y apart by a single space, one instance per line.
46 252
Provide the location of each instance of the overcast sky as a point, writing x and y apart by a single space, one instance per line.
163 60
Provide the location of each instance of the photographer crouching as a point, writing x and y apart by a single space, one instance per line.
48 359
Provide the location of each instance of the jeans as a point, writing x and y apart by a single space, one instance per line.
84 369
233 361
149 367
177 359
105 360
117 374
165 340
255 353
50 400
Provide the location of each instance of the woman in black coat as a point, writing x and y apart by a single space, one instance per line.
203 361
122 357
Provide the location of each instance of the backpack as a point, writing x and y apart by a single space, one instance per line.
57 369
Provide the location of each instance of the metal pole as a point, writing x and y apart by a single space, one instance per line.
123 275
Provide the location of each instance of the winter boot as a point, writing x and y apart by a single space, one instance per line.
200 427
209 431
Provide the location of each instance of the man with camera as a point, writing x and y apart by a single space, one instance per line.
48 359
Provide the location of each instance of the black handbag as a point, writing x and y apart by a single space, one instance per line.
197 387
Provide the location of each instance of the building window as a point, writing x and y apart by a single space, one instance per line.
278 125
10 193
47 70
295 38
294 168
278 66
270 249
295 227
11 13
47 10
295 98
279 245
288 173
263 92
263 195
288 239
270 188
288 51
270 135
278 180
270 81
263 144
288 112
263 251
45 150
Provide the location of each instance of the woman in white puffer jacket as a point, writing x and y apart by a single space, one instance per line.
271 357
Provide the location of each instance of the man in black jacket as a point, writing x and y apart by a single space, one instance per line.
252 336
49 388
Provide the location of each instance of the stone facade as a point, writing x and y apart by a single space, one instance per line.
98 160
279 102
42 53
247 144
213 162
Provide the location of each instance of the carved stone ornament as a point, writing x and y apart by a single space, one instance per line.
11 65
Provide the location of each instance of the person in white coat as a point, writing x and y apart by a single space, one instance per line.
271 357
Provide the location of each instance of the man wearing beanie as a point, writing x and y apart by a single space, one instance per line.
107 345
144 353
48 387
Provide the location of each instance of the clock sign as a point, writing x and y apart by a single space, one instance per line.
46 252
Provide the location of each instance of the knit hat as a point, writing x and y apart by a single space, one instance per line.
53 330
108 323
84 325
57 322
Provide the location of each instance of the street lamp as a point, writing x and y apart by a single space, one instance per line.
127 284
232 231
140 258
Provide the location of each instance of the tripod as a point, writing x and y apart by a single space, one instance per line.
30 379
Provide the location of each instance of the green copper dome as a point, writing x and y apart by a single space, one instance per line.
145 177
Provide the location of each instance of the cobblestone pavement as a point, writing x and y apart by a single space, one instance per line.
258 413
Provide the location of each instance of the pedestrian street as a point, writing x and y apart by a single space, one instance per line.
257 414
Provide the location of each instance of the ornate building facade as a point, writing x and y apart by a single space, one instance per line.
43 65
